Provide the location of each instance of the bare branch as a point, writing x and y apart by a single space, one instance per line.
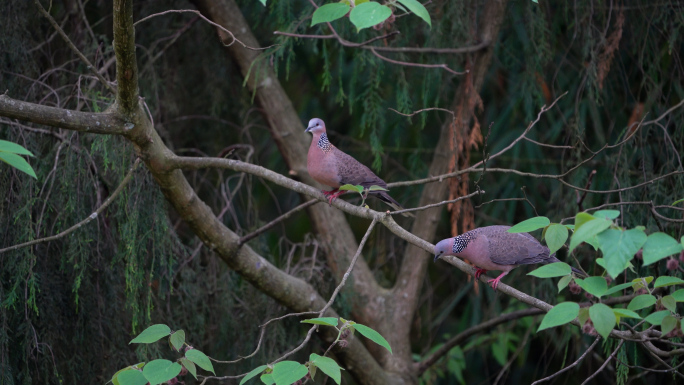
604 364
565 369
420 65
126 65
274 222
84 222
71 45
478 192
98 123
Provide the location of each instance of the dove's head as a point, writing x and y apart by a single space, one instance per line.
444 247
316 126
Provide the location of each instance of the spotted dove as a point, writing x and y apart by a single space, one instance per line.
332 167
494 248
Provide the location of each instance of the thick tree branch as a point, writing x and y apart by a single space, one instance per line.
98 123
126 66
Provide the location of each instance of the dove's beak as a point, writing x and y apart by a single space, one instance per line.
308 129
437 257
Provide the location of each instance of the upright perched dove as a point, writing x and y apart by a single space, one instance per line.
332 167
494 248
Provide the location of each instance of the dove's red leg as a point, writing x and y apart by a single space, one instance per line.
479 272
495 282
334 196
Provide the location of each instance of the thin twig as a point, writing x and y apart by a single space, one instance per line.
71 45
208 21
605 363
421 65
478 192
565 369
274 222
92 216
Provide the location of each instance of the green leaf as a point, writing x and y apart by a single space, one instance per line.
587 231
556 235
373 336
617 288
190 366
626 313
263 2
563 282
139 365
200 359
669 303
369 14
556 269
267 379
657 317
328 366
603 318
678 295
329 321
177 339
593 285
659 246
152 334
641 301
531 224
583 315
619 247
159 371
253 373
131 377
581 219
677 201
351 187
668 324
560 315
667 281
417 8
17 162
14 148
607 214
329 12
377 188
287 372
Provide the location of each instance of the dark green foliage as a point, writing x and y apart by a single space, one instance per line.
68 308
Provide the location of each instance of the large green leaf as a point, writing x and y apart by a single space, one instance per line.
587 231
657 317
607 214
596 286
603 318
668 324
267 379
559 315
659 246
159 371
556 269
287 372
619 247
200 359
369 14
373 336
667 281
17 162
14 148
328 366
417 8
253 373
641 301
531 224
351 187
626 313
619 287
329 12
190 366
669 303
139 365
131 377
329 321
563 282
152 334
555 236
678 295
177 339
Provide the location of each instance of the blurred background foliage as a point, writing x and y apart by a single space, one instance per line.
68 308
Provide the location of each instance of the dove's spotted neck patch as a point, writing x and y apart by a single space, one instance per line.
324 143
461 242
